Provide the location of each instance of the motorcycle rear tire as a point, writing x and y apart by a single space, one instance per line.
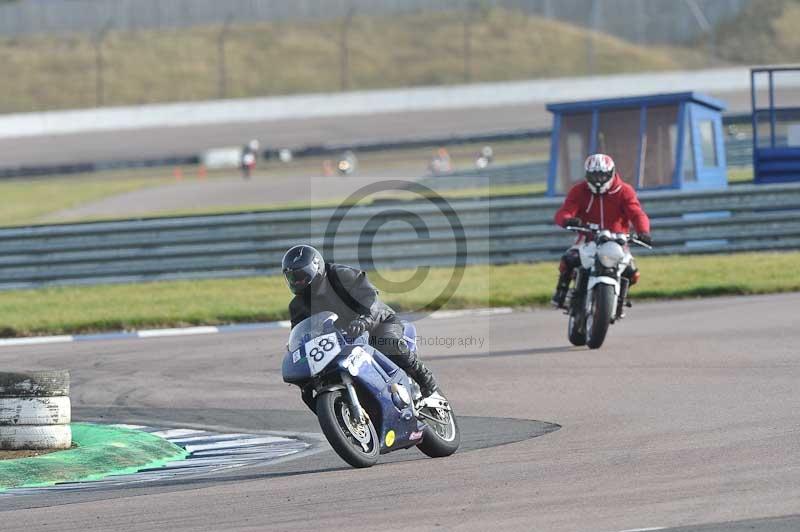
601 313
329 414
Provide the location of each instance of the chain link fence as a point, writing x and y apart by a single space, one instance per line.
650 21
85 53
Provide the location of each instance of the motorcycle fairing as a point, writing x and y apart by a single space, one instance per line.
373 375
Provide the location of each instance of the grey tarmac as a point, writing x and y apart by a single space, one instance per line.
687 417
165 142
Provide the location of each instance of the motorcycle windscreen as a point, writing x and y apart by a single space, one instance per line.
296 367
311 327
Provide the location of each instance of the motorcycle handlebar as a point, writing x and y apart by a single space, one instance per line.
640 243
590 231
580 229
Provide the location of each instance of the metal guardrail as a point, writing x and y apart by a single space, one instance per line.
495 230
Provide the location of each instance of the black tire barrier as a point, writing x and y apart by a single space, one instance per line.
34 384
35 410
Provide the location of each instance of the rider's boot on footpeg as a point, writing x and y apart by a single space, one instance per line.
560 295
424 377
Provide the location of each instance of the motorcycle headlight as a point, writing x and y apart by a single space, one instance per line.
610 254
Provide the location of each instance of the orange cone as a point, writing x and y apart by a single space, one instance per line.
327 168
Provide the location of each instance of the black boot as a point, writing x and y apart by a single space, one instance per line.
424 377
562 288
559 297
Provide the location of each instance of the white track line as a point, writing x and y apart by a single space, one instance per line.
447 314
176 433
36 340
203 435
184 331
232 444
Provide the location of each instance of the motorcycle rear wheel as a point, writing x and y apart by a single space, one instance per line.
599 318
440 439
346 434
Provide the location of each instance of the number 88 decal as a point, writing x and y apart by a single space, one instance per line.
324 345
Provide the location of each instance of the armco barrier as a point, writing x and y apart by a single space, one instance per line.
495 230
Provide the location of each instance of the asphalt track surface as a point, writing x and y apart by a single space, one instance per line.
164 142
687 417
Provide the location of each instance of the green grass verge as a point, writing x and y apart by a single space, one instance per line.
423 48
740 175
100 451
27 201
182 303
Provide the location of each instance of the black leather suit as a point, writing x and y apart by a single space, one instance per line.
347 292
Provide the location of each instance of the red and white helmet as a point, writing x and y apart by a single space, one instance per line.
600 170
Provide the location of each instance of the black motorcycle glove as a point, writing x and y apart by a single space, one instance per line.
645 238
358 326
573 222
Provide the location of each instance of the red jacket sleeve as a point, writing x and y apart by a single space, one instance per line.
570 208
633 210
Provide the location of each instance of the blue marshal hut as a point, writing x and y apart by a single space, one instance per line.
664 141
776 124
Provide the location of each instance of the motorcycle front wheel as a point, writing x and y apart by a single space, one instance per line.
441 437
599 317
576 327
355 441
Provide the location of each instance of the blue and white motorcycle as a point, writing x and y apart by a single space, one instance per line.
366 405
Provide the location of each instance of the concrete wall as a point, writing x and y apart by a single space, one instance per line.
369 102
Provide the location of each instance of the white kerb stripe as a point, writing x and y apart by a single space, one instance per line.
36 340
232 444
175 433
446 314
184 331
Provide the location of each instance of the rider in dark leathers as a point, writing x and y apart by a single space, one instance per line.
346 291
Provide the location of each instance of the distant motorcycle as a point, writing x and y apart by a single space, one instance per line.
366 405
599 291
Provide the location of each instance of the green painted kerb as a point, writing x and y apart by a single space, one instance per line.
101 451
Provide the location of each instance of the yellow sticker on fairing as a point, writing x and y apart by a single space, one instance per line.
389 438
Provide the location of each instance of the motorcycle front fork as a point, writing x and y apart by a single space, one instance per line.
576 294
622 300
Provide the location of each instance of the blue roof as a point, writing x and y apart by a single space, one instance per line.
638 101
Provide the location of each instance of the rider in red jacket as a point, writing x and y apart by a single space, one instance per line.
603 199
